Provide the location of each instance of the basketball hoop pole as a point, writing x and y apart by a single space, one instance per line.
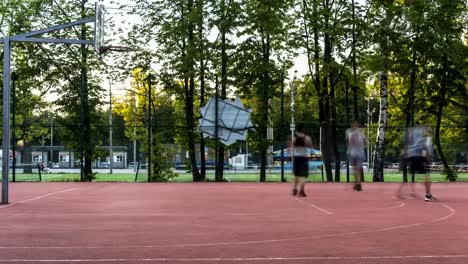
7 41
6 117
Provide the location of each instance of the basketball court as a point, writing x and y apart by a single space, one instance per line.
231 223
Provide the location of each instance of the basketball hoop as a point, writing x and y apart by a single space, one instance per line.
99 33
105 49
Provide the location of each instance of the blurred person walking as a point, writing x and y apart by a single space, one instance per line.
300 143
356 142
419 153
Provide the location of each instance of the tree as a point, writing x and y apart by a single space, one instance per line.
266 28
226 19
447 66
386 15
328 22
134 110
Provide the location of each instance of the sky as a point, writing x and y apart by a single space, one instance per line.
299 68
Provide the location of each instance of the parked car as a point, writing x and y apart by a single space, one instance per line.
104 165
365 166
55 165
133 165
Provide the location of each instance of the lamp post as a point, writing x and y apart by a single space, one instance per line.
281 131
111 152
150 127
51 138
134 129
282 134
347 126
14 78
42 151
293 125
369 123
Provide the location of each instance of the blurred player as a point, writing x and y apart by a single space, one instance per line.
419 152
300 143
356 141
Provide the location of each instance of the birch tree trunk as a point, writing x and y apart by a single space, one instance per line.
383 119
384 43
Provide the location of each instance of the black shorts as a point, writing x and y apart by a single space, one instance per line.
418 165
356 161
301 167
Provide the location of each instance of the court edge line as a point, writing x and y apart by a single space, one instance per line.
237 259
37 198
452 212
314 206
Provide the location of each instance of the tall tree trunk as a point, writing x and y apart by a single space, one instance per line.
333 136
450 175
264 106
379 151
86 116
354 87
202 85
404 160
410 113
383 118
322 96
224 61
327 59
189 87
321 92
326 142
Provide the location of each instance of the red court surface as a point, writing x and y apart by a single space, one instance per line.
231 223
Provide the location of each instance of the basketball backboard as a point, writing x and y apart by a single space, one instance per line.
233 120
99 22
112 25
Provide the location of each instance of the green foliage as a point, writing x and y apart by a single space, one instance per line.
133 108
425 44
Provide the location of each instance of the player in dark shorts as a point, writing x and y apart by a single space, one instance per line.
300 143
419 153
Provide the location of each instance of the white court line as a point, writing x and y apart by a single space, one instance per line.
395 207
37 198
314 206
448 216
383 208
259 259
133 215
452 212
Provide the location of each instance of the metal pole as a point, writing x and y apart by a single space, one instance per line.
111 152
293 125
368 132
6 118
14 78
347 126
282 127
216 128
134 129
51 137
150 132
42 152
412 122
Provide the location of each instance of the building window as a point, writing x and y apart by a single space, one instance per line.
37 158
